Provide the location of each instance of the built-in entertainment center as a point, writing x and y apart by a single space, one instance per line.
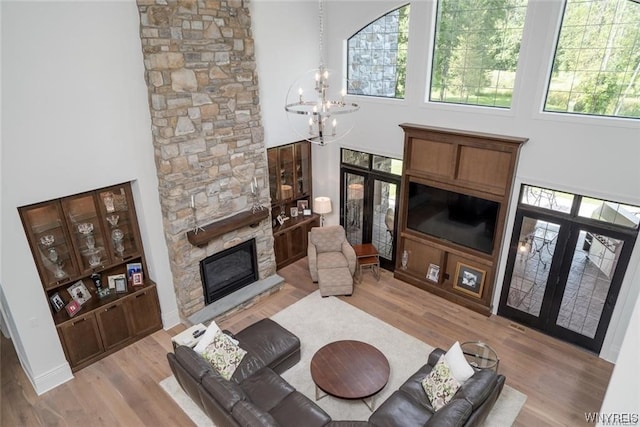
456 189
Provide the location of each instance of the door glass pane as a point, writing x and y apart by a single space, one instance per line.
594 261
387 164
536 245
545 198
355 158
613 213
384 206
353 208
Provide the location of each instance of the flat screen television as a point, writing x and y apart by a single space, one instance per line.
459 218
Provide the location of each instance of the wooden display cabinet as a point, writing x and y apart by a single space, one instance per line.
88 237
290 182
468 165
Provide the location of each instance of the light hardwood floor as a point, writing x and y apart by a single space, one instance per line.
562 382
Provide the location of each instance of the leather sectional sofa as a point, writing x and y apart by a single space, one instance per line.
256 395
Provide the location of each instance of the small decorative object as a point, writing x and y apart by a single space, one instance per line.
56 302
120 284
118 236
255 193
97 281
93 255
134 274
79 292
112 280
281 219
113 220
196 227
433 274
294 212
47 242
72 308
405 259
107 199
302 205
469 280
306 212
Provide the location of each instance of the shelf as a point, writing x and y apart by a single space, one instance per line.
211 231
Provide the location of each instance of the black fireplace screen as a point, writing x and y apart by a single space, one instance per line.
227 271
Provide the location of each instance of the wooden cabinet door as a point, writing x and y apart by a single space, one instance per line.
281 248
274 181
298 242
120 222
113 322
81 339
302 169
144 311
286 172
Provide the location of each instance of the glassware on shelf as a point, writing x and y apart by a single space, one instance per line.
93 256
52 255
113 220
118 236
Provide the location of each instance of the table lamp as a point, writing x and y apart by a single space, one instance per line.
322 206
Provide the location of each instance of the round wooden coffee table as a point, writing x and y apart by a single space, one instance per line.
350 370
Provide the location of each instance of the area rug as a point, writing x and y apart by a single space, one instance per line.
318 321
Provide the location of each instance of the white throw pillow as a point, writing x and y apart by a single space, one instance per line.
207 337
460 368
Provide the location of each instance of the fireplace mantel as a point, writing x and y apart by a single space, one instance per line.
209 232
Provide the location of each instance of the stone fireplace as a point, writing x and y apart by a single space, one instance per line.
203 97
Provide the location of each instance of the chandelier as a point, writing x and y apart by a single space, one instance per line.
314 118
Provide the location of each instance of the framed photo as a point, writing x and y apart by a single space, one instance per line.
433 273
111 280
134 274
294 212
72 308
120 284
306 212
56 302
303 205
469 280
281 219
79 292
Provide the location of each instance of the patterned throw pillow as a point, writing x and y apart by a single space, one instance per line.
223 354
440 385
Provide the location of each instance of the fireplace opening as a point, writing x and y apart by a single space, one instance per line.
227 271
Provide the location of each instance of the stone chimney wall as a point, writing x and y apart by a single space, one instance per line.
200 71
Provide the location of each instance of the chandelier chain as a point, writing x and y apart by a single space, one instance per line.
321 32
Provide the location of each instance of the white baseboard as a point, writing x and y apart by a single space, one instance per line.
170 319
52 379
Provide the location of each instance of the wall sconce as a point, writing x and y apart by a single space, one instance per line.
322 206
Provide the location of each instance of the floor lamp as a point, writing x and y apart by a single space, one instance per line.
322 206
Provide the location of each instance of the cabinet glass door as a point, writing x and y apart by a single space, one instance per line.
49 243
286 172
86 231
303 153
272 158
116 207
354 191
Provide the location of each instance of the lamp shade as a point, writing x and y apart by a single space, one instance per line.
322 205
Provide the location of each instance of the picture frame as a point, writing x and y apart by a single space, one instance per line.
294 212
57 302
73 308
120 284
281 219
433 273
79 292
469 280
306 212
302 205
111 280
134 274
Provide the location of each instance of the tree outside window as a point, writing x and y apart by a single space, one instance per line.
477 43
596 68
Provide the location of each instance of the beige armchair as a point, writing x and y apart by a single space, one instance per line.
332 260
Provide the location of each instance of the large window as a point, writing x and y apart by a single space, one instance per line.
377 56
596 68
477 43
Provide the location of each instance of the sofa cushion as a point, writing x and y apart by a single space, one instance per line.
440 384
327 239
400 410
331 260
223 354
270 345
413 387
459 366
297 410
227 393
195 365
249 415
456 413
478 387
266 389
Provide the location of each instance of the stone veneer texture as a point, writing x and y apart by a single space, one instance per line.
200 71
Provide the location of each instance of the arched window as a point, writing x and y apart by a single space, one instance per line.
377 56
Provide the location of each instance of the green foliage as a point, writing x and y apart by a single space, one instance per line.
403 44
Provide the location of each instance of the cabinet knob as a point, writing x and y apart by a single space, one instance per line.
142 294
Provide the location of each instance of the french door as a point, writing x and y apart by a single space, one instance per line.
564 274
368 206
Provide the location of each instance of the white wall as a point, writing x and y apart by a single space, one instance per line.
75 117
591 156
